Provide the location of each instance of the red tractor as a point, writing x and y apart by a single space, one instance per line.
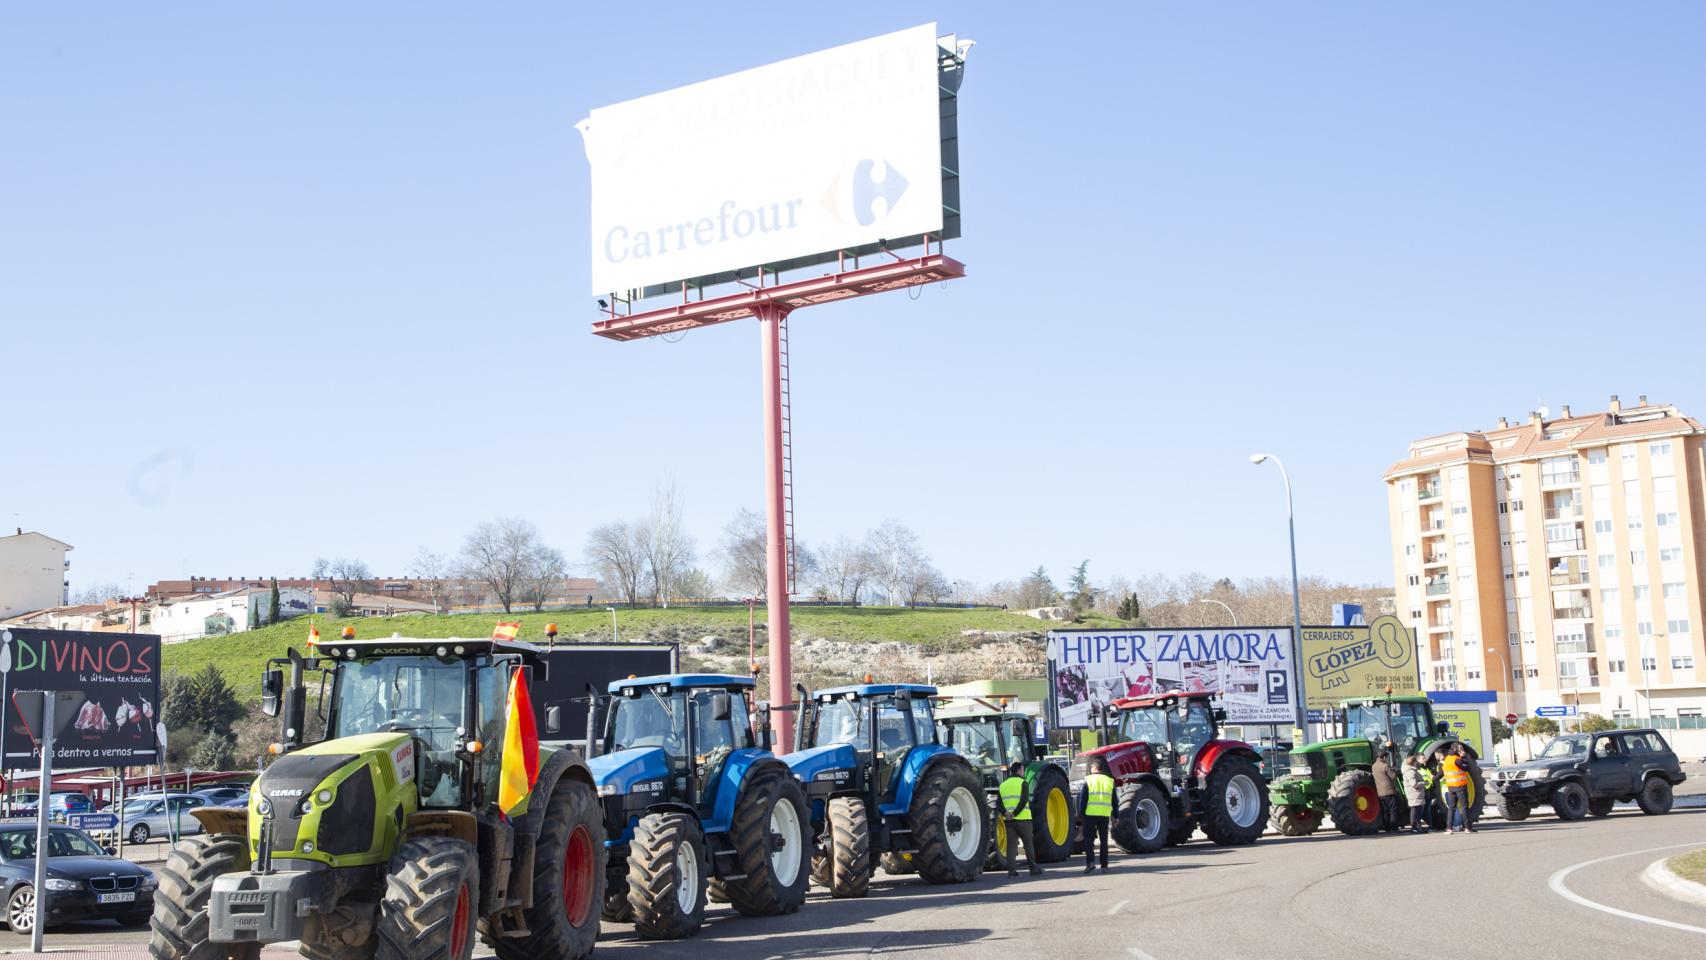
1175 775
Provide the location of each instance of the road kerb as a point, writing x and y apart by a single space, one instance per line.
1662 878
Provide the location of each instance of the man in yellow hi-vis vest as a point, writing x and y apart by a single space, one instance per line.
1016 817
1099 804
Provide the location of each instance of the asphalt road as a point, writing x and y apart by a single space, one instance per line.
1495 894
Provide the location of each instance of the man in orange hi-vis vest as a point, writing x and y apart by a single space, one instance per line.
520 764
1456 781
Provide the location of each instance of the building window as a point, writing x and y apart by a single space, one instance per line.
1533 672
1667 519
1610 596
1634 523
1637 557
1682 663
1409 549
1659 448
1607 561
1602 526
1643 592
1614 631
1649 664
1676 626
1474 674
1670 554
1459 509
1597 455
1643 628
1627 452
1414 580
1675 591
1616 666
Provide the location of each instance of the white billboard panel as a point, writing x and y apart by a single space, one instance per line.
1249 667
823 152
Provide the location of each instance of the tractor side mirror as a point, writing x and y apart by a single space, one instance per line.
553 719
1219 714
272 689
761 722
721 708
903 697
1443 727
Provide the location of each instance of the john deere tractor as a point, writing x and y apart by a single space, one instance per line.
695 805
992 741
385 838
1176 774
879 783
1334 776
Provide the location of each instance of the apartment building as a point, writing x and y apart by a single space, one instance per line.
33 573
1559 562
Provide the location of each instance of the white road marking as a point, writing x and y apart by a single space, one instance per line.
1557 884
1116 908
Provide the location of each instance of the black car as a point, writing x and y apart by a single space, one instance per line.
83 881
1588 773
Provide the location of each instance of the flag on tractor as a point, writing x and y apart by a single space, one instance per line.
506 630
520 768
313 635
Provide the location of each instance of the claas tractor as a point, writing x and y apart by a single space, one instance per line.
1335 776
879 783
385 839
1176 774
991 741
695 805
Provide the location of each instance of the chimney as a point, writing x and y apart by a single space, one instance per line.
1565 414
1616 405
1643 401
1539 424
1504 423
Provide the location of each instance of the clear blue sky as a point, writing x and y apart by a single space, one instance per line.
311 280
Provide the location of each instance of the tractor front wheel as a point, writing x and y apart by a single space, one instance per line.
1141 826
769 836
947 817
666 876
1052 801
845 864
1235 802
1293 821
432 900
898 864
180 905
1181 830
617 909
1354 803
568 879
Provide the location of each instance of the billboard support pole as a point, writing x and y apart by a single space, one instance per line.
44 792
771 316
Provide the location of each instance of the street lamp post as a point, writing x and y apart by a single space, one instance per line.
1223 606
614 638
1296 597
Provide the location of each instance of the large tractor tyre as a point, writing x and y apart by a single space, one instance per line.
180 905
1513 810
1180 831
772 846
1655 796
898 864
947 817
432 901
666 876
1292 821
1601 807
844 867
997 859
1141 826
1439 814
1235 802
617 909
569 879
1570 801
339 935
1354 803
1051 802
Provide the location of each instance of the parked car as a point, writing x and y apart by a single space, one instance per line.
142 818
1588 773
224 796
84 882
58 804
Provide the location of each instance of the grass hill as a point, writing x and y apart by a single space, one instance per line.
240 655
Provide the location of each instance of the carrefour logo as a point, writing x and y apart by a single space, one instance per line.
853 196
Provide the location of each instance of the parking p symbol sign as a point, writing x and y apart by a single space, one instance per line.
1279 688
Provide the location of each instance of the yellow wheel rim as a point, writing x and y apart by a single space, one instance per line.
1001 835
1057 816
1362 803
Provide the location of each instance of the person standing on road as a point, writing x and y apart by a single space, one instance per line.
1416 791
1016 812
1455 779
1466 760
1386 788
1098 804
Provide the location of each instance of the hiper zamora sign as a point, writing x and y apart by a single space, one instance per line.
1346 663
829 151
1248 667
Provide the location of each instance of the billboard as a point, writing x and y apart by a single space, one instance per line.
117 679
1250 667
1344 663
781 165
569 669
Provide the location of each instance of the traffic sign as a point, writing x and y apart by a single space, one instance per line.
1511 719
92 821
1562 710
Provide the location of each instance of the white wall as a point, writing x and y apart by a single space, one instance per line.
187 619
32 573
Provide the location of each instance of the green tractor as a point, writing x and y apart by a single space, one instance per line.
993 740
385 839
1335 776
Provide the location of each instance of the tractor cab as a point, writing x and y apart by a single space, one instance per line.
1401 721
990 741
869 730
993 742
676 731
1175 728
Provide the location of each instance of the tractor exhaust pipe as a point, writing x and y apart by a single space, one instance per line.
295 702
591 721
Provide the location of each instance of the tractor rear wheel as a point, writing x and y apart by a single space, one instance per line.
432 901
845 864
1235 802
568 879
1601 807
898 864
771 846
329 936
180 905
1570 801
617 909
1656 795
1052 801
666 876
997 859
1180 831
947 818
1293 821
1513 810
1354 803
1141 826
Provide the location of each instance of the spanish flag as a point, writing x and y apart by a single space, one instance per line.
506 630
520 768
313 635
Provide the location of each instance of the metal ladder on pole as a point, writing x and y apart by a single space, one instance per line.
787 456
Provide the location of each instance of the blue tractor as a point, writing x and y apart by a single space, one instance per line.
695 804
881 786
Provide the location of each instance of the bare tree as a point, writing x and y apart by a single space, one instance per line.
617 552
844 568
543 577
927 583
743 554
348 578
668 550
501 554
98 593
897 556
433 572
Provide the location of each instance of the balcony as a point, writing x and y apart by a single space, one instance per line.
1577 544
1578 683
1564 512
1581 611
1563 478
1570 579
1435 559
1428 492
1573 648
1438 588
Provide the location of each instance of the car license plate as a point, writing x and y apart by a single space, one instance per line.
128 896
